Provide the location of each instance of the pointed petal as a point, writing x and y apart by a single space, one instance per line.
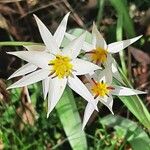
27 68
60 32
35 47
124 91
86 46
87 113
47 36
118 46
30 79
45 85
40 59
105 75
108 102
116 73
100 42
76 85
83 67
74 47
56 89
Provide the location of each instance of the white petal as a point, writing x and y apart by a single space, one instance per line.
111 63
27 68
35 47
76 84
108 102
45 85
87 113
118 46
47 36
86 46
124 91
56 89
116 73
60 32
74 47
100 42
30 79
40 59
105 75
83 67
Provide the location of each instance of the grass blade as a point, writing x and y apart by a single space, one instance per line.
70 119
135 105
122 8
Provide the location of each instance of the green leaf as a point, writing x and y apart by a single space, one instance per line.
12 43
122 8
135 104
70 119
135 135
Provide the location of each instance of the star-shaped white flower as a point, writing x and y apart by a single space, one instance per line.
47 38
100 53
100 85
60 66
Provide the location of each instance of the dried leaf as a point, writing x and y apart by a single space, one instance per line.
140 56
4 95
1 145
3 23
26 111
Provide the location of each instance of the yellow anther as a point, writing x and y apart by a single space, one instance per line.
61 66
101 89
98 55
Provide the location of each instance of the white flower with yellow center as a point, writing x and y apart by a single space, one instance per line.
59 66
100 53
48 39
100 86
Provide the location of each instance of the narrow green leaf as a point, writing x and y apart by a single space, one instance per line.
122 8
135 104
100 4
70 119
12 43
119 34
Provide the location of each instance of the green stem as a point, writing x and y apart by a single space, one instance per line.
12 43
100 11
119 33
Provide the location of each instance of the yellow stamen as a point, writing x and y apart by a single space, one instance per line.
61 66
99 55
101 89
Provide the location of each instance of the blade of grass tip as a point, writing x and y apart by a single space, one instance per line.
100 4
13 43
70 119
119 34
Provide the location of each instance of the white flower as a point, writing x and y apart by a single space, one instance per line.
48 39
100 85
99 52
60 67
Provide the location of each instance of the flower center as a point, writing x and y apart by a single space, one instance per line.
61 66
98 55
101 89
